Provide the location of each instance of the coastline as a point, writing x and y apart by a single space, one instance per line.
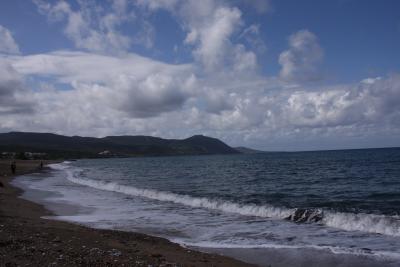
27 239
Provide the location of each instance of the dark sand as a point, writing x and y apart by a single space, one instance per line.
28 240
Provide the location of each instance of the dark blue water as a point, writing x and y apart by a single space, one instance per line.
244 201
349 181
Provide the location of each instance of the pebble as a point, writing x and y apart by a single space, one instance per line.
115 252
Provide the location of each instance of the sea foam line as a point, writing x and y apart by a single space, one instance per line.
195 202
371 223
332 249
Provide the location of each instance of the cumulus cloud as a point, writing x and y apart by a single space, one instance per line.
144 88
13 95
7 42
156 94
217 100
360 104
261 114
251 35
210 26
136 95
90 27
301 61
133 84
220 93
212 36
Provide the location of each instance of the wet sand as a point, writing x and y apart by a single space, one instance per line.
300 257
28 240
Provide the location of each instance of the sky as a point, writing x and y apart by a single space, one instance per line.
274 75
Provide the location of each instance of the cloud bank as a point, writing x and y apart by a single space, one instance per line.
94 90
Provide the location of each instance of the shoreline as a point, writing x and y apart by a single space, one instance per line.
28 239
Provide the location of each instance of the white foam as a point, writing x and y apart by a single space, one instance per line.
196 202
370 223
60 166
332 249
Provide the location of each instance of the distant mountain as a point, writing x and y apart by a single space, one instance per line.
246 150
59 146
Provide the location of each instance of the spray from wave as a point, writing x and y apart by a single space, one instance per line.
371 223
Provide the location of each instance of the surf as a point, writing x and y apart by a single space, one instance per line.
369 223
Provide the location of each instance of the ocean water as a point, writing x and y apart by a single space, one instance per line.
240 204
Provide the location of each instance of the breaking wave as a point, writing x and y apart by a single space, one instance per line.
196 202
371 223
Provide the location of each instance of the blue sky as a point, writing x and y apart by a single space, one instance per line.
360 38
279 75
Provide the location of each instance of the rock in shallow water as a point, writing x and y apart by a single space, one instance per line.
306 216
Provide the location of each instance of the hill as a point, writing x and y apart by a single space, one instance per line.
59 146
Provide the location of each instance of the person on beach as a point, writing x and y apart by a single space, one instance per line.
13 167
41 165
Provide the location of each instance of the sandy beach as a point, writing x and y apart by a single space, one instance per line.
28 240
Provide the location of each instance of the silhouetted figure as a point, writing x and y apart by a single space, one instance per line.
41 165
13 167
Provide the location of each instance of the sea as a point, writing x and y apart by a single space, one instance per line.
321 208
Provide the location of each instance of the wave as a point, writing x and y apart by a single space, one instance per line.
306 216
371 223
332 249
196 202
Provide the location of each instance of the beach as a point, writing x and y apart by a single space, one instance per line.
175 211
26 239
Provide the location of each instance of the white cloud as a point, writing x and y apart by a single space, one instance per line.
156 94
210 26
360 104
217 100
158 4
14 98
252 36
90 27
212 36
136 95
221 93
69 66
136 85
243 61
301 61
7 42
